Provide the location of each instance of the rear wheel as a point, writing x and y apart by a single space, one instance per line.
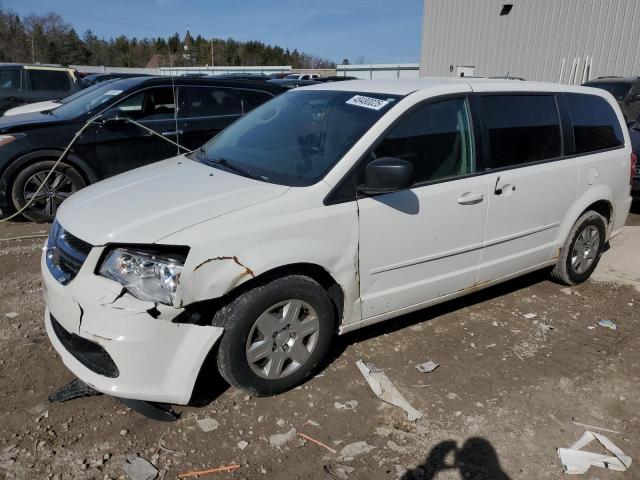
276 335
44 195
580 254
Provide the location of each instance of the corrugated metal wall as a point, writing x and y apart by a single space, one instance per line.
590 38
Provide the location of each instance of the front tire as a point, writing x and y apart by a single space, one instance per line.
276 335
581 252
63 182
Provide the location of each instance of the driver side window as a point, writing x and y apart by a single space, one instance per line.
437 139
149 104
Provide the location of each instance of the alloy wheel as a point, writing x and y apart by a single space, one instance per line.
585 249
282 339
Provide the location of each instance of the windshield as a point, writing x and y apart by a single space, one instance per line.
94 100
296 138
618 89
82 92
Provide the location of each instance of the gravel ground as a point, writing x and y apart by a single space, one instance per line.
503 399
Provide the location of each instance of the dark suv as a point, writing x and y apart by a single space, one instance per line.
20 84
188 111
625 90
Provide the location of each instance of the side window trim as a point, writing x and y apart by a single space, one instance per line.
485 136
333 197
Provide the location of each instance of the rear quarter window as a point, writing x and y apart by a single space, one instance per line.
49 80
521 129
595 124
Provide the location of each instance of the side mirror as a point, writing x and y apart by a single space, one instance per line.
387 174
111 117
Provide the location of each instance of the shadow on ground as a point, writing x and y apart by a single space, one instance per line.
475 459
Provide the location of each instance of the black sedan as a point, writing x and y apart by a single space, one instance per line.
188 111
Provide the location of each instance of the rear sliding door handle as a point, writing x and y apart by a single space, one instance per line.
470 198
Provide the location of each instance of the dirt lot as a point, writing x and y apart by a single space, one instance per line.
499 405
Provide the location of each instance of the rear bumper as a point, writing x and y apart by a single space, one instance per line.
112 343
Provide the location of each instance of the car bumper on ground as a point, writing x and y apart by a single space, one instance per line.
122 346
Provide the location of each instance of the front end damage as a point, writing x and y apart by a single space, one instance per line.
120 345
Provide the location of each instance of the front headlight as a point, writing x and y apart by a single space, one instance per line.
147 275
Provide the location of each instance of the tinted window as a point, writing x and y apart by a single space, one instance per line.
595 124
436 139
211 102
521 128
49 80
618 89
150 104
10 79
254 98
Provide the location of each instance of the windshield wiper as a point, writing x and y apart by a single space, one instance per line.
230 166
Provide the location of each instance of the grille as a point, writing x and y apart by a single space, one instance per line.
66 254
90 354
77 244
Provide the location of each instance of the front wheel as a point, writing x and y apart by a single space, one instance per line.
276 335
580 254
44 195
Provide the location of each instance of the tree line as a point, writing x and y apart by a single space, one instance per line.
49 39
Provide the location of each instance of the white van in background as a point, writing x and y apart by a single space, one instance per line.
324 210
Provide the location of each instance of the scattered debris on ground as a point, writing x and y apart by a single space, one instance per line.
74 389
138 468
384 389
608 324
577 461
427 367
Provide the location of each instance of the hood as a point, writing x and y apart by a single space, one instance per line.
22 120
32 107
152 202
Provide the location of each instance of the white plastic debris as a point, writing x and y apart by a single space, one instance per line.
529 316
576 461
608 324
385 390
208 424
354 449
138 468
350 405
277 440
11 314
427 367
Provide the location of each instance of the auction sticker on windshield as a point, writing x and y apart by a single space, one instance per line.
367 102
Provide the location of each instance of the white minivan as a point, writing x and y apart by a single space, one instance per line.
324 210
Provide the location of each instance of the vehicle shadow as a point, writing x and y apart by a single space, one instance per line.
476 458
429 313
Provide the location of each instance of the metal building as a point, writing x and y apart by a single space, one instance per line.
566 41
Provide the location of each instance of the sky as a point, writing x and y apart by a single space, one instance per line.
381 31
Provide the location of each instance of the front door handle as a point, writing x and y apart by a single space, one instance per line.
470 198
172 133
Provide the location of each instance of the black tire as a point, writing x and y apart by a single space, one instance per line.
565 270
240 316
44 208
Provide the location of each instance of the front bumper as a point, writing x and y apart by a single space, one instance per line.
156 360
